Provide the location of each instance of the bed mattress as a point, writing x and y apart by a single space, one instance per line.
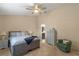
17 40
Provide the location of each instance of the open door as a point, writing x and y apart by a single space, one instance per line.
43 31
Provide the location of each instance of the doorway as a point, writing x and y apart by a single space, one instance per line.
43 31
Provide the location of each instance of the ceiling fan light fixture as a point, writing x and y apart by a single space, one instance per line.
36 7
36 11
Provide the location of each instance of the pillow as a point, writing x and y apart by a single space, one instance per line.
23 34
65 41
27 33
13 34
18 33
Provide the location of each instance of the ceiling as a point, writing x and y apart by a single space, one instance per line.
20 8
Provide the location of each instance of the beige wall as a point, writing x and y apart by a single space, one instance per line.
1 23
66 21
18 23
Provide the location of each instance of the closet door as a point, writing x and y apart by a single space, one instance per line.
51 36
48 37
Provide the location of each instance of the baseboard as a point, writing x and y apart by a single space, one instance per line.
75 48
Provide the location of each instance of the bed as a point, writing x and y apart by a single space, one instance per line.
18 45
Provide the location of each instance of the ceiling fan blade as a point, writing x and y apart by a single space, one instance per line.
43 8
28 8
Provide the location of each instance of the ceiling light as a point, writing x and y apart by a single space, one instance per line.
36 11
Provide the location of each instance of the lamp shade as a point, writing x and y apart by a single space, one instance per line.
3 33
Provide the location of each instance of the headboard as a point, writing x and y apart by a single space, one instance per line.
16 33
13 33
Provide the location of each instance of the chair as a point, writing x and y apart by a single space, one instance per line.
64 45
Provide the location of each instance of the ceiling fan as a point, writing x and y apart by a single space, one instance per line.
37 8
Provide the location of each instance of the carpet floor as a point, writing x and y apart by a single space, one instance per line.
44 50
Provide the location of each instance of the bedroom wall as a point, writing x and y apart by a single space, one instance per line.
1 22
19 23
66 21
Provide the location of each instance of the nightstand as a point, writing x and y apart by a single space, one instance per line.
3 41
